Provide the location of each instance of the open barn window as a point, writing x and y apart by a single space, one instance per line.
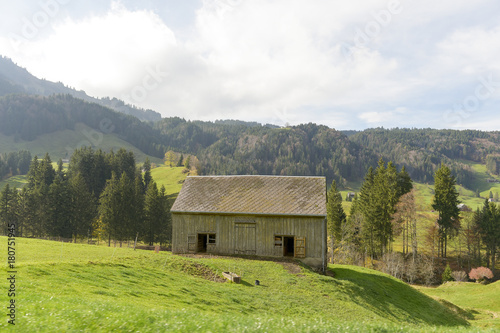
211 239
278 241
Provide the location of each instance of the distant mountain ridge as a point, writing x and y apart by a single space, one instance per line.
17 80
230 147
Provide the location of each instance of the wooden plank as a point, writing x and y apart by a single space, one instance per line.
233 277
244 238
300 247
192 243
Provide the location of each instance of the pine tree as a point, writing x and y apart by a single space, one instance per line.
181 160
445 203
404 182
152 213
83 206
446 276
8 208
336 216
489 228
59 209
147 173
109 208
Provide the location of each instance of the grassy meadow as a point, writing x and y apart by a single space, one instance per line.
61 144
480 303
64 287
170 177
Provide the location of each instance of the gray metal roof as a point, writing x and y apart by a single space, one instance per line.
254 195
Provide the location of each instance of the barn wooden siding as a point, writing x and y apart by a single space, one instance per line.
250 235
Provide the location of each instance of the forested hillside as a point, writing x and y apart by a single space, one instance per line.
27 117
421 151
17 80
307 149
236 147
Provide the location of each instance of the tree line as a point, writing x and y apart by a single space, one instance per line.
236 147
385 208
369 228
100 195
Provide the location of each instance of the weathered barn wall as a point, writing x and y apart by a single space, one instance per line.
251 235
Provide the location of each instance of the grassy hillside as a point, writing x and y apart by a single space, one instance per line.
61 144
16 181
480 302
171 178
70 287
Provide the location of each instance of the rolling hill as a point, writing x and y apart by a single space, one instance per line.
139 290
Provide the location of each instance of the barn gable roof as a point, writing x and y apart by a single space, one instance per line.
255 195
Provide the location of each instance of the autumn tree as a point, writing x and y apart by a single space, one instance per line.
169 158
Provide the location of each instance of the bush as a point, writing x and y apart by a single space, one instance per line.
480 274
446 277
459 276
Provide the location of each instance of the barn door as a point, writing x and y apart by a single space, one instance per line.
244 238
192 243
300 247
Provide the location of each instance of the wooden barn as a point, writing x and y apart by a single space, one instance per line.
252 215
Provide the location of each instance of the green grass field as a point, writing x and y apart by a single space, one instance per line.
16 181
61 144
171 177
480 302
63 287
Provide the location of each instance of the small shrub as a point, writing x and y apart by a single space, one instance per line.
459 276
446 276
480 274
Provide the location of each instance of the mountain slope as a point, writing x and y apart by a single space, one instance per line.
26 118
423 150
17 80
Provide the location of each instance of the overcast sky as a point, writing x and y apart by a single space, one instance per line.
345 64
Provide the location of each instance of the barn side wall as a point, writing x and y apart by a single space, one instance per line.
251 235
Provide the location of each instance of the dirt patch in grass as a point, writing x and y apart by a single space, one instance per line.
292 268
206 273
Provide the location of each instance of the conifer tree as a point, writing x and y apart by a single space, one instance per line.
336 216
147 173
181 160
59 209
83 206
152 213
489 228
109 208
8 208
445 202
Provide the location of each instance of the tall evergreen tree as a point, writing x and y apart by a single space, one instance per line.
446 202
181 160
59 209
489 228
336 217
109 208
8 208
147 173
152 213
83 206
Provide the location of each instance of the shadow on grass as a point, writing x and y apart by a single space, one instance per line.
393 299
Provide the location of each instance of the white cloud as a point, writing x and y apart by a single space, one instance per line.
101 54
279 60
